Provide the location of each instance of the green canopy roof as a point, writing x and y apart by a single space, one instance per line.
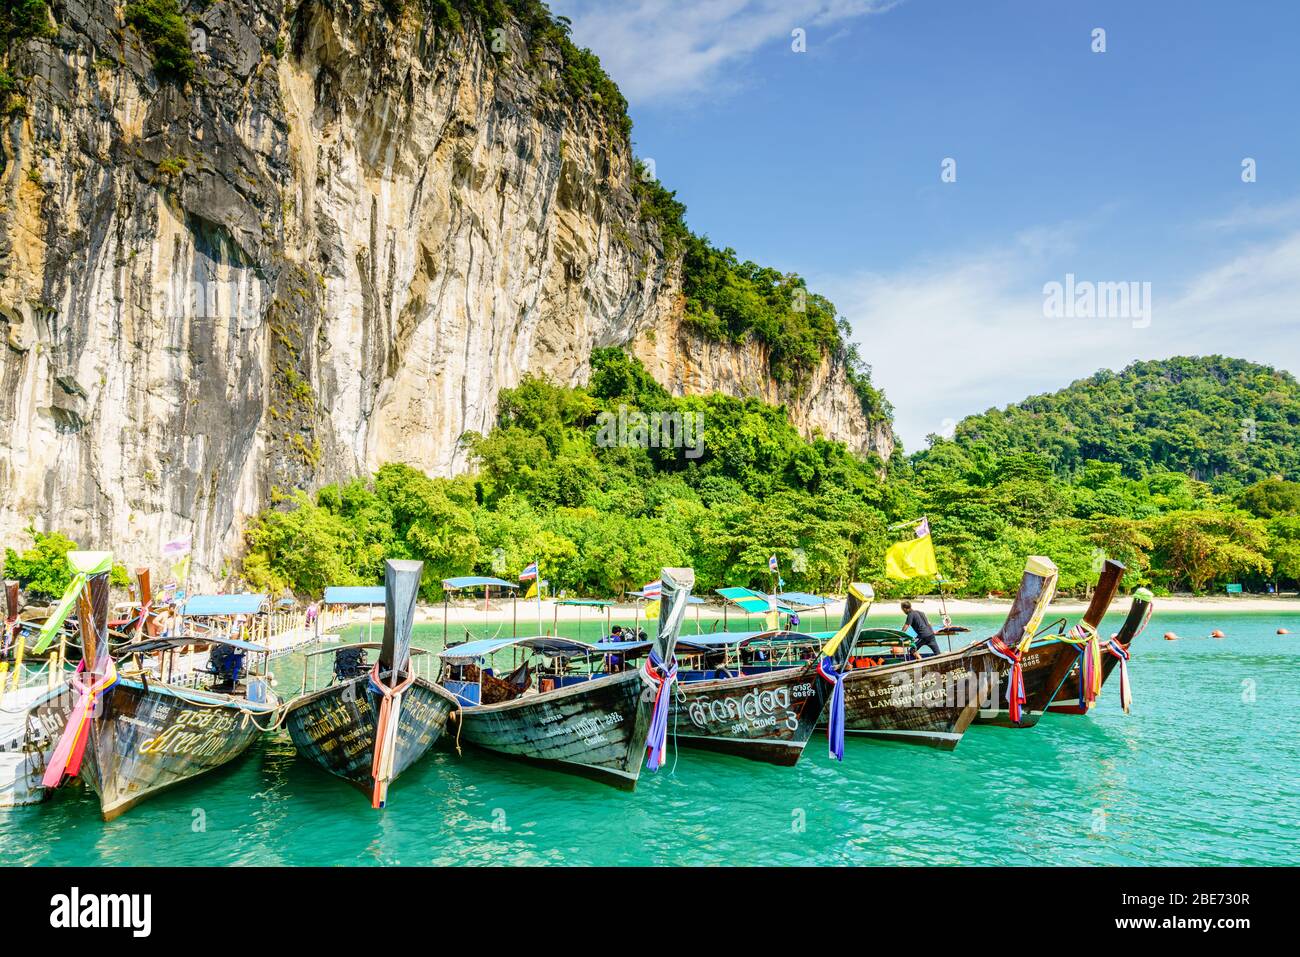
756 603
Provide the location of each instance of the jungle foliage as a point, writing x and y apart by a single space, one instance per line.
604 517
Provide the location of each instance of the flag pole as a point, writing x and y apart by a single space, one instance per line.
538 582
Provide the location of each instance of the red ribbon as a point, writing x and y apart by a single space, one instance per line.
1016 688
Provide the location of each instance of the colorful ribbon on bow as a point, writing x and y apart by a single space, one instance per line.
1016 685
835 723
65 762
1125 689
661 679
1085 637
390 711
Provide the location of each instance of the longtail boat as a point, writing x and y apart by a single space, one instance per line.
599 724
372 723
134 732
34 706
1046 661
932 701
767 709
1073 696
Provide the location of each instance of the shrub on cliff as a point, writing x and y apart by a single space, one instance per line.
43 571
162 27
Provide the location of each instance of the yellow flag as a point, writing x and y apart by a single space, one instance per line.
532 591
651 610
911 559
773 620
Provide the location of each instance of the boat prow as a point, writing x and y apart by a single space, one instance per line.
372 724
591 723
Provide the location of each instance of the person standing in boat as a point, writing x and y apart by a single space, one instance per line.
920 625
614 663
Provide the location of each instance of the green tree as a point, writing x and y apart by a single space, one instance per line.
1197 548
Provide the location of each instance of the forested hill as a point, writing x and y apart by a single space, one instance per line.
1225 421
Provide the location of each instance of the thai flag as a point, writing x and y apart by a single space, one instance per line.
529 574
653 590
923 529
771 563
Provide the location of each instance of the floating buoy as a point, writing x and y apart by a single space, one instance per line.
1283 631
1170 636
1216 634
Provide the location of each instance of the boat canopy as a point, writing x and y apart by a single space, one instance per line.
552 647
751 601
623 647
170 642
214 606
729 639
690 600
804 600
354 595
475 581
585 602
882 636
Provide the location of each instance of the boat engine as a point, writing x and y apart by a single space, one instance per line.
350 663
226 664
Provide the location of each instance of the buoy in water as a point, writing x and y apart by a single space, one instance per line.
1170 636
1216 634
1283 631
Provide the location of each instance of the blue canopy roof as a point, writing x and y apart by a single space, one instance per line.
475 581
726 639
354 595
805 599
552 647
217 605
622 647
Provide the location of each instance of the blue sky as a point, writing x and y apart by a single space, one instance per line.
1115 166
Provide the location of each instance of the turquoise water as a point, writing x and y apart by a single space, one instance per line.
1203 772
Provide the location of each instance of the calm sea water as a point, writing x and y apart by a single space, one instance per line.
1203 772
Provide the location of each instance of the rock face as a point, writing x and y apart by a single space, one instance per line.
688 363
332 249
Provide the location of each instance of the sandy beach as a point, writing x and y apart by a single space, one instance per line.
527 611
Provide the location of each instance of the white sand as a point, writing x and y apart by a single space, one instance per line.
881 612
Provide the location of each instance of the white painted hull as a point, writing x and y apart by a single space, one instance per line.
30 721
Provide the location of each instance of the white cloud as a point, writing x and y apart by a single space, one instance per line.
655 49
950 338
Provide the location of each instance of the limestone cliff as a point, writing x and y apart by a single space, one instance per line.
331 248
687 362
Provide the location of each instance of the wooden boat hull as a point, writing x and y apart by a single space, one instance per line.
31 721
766 717
595 728
150 738
335 727
1044 666
929 702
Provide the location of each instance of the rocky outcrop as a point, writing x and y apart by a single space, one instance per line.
686 362
333 248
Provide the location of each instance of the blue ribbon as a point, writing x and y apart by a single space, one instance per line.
656 741
835 723
1083 703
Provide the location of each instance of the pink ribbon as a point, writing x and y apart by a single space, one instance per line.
65 762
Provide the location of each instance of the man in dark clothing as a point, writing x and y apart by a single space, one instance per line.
920 626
